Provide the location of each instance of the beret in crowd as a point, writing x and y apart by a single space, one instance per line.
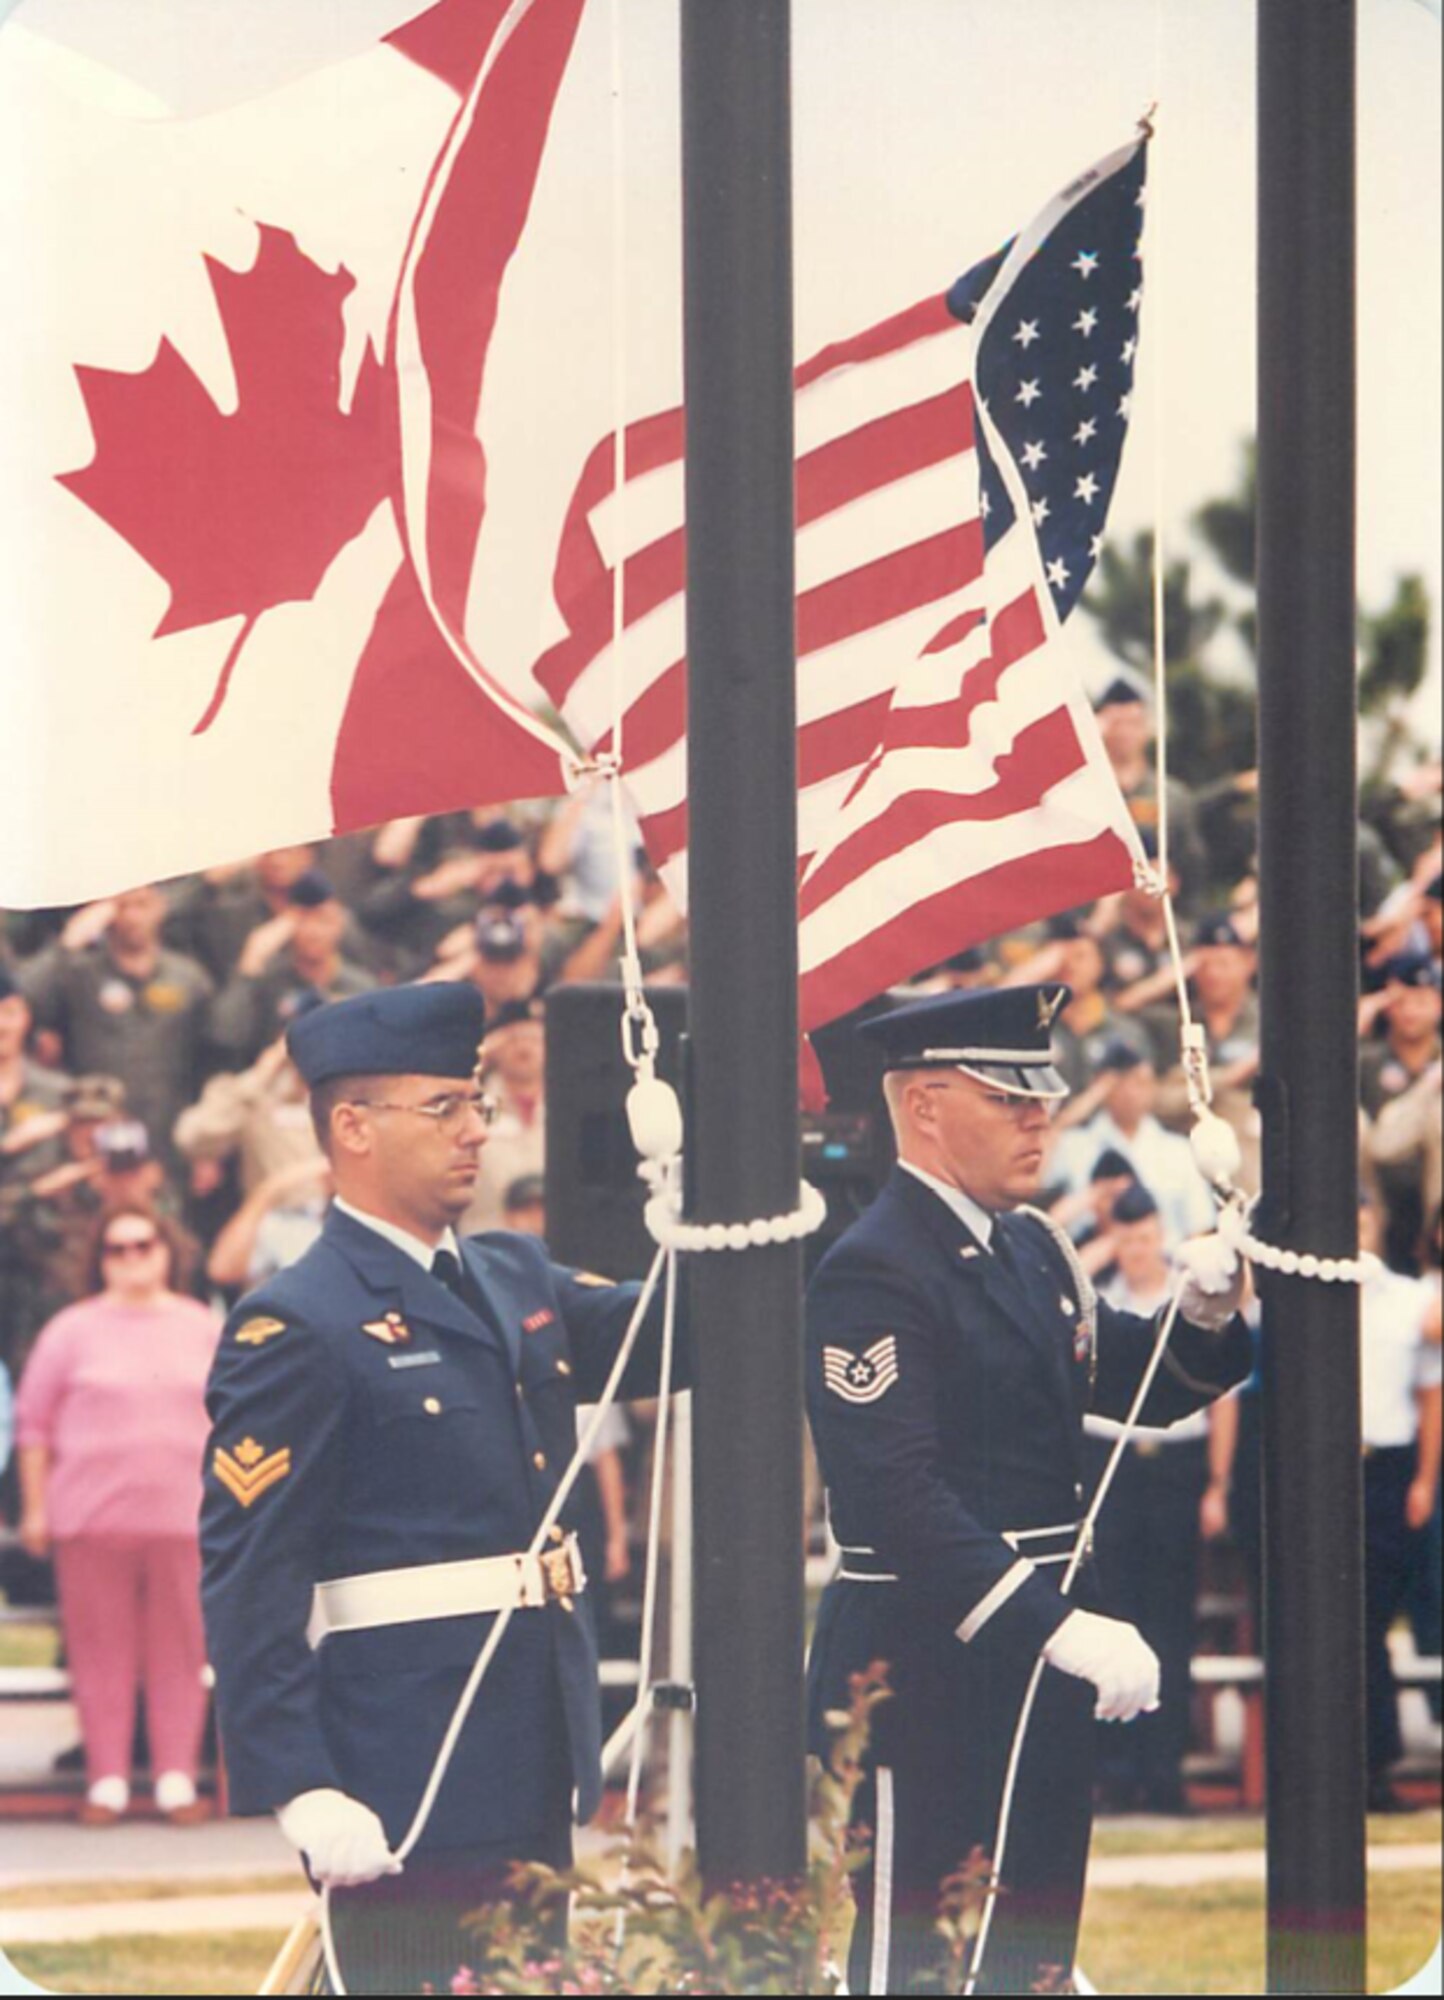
1120 693
1119 1055
525 1191
1410 968
311 888
430 1030
1220 929
1001 1035
499 836
1135 1204
1111 1165
509 896
499 939
510 1012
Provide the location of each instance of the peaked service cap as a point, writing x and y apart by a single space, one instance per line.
1002 1036
430 1030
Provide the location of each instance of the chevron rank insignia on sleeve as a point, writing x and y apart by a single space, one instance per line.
256 1332
861 1378
250 1470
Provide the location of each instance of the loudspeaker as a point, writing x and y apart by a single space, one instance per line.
594 1195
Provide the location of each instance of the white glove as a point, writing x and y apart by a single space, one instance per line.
1213 1291
1114 1656
343 1841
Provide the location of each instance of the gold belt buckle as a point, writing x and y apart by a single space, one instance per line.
559 1576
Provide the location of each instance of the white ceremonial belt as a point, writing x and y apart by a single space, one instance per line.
447 1590
1032 1542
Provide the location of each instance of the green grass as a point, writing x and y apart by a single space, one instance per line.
63 1895
1236 1833
226 1964
1210 1938
29 1645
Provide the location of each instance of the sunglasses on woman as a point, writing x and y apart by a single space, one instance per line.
129 1246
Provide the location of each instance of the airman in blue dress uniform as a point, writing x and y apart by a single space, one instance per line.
391 1418
954 1347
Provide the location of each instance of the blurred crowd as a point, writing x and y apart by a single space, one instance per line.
157 1159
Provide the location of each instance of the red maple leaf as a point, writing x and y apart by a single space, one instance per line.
244 511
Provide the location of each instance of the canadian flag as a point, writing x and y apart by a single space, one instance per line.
244 481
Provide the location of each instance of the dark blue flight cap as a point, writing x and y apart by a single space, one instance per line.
1220 929
1002 1036
310 890
1135 1204
1410 968
498 836
430 1030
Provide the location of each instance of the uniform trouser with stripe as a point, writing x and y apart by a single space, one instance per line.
1147 1552
936 1801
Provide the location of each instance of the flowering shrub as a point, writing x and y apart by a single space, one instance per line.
633 1929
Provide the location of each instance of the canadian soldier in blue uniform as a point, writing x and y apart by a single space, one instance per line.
392 1416
954 1347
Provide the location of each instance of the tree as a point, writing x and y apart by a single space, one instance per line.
1211 714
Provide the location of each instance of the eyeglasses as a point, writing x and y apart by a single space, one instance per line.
130 1246
448 1112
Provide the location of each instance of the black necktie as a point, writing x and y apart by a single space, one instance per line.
447 1270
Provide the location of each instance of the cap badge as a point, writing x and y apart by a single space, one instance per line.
1048 1007
391 1330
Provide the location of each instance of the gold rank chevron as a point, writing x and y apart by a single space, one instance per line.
250 1470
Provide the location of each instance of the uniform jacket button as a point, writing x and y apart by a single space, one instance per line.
539 1460
432 1406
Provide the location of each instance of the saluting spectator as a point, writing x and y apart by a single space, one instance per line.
1168 1495
513 1071
123 1005
112 1429
212 914
1221 966
260 1117
1400 1382
435 875
1394 1068
32 1128
1125 722
287 964
1125 1092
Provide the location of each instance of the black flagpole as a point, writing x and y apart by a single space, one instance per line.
744 1147
1313 1504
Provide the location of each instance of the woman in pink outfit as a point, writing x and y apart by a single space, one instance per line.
111 1430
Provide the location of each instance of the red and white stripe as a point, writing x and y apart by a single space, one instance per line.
951 785
467 229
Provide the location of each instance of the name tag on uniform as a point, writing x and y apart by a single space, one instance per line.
426 1359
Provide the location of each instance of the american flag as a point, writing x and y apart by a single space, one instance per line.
954 468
